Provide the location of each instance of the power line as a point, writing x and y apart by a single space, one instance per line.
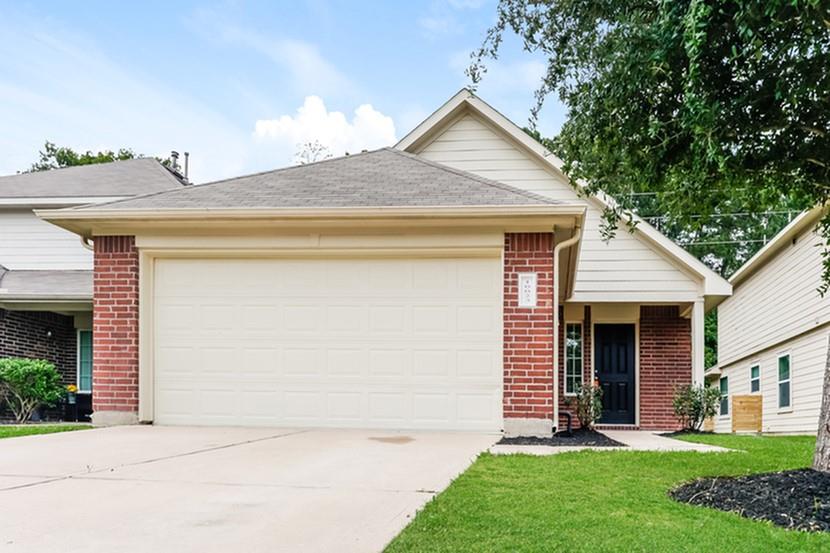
719 215
724 242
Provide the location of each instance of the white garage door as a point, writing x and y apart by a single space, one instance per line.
372 343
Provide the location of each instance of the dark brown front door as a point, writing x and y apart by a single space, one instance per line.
614 362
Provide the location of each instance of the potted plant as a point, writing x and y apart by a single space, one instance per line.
71 394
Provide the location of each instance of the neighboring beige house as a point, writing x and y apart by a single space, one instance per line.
773 332
456 281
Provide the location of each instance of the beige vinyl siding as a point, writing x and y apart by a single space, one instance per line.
27 242
624 269
807 357
778 302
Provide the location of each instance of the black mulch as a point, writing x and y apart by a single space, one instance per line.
578 437
679 433
795 499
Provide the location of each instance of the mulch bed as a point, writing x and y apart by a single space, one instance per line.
680 433
795 499
577 438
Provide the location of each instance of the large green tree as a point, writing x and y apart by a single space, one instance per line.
707 107
56 157
715 106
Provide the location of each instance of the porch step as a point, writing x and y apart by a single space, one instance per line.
616 427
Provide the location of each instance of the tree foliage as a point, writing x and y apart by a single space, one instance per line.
714 107
56 157
311 152
26 384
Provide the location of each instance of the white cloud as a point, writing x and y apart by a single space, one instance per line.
313 122
307 69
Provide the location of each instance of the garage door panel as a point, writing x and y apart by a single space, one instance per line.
385 343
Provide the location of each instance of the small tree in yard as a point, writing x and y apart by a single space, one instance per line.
26 384
588 405
694 404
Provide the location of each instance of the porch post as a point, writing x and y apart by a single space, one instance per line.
698 343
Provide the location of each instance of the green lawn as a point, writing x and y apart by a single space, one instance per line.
605 501
30 429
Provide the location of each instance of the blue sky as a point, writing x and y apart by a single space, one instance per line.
241 84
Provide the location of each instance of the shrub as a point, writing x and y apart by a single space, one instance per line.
588 401
693 404
26 384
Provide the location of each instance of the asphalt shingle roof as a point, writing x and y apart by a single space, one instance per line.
45 284
381 178
119 178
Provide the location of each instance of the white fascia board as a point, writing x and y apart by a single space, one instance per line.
765 254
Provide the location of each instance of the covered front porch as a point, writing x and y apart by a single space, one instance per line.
638 353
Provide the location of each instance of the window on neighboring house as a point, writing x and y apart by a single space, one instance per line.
755 378
724 395
84 360
784 377
573 358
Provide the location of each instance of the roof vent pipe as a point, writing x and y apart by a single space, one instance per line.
174 160
186 164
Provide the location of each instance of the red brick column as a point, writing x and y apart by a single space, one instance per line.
665 363
528 336
115 331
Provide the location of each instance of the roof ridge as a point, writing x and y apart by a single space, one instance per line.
473 176
221 181
69 168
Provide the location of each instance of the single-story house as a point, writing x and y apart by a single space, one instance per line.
456 281
46 271
773 332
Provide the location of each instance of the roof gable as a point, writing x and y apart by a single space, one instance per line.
465 102
771 249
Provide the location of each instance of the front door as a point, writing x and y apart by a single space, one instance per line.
614 362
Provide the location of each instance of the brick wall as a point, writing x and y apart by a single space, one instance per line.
587 371
24 334
528 332
665 362
115 325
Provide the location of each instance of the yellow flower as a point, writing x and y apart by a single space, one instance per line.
71 388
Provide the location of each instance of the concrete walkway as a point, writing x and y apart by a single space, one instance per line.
154 488
635 440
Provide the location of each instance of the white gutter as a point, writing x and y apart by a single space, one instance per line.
559 247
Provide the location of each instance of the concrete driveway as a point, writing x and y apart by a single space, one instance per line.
157 488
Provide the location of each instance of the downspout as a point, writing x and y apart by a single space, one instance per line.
559 247
87 243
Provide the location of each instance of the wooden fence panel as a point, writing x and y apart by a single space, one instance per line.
746 413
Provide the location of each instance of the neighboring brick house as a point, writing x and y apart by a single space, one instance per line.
456 281
46 272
